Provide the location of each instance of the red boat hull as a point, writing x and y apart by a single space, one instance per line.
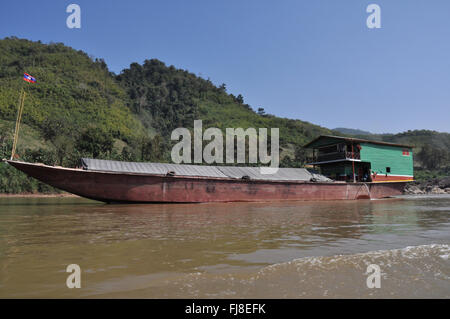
144 188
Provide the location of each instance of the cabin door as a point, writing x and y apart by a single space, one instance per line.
364 172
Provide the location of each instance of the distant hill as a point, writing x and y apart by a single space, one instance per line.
416 138
351 131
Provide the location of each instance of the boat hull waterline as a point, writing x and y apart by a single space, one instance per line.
117 187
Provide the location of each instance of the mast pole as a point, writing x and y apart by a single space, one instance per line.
353 164
19 116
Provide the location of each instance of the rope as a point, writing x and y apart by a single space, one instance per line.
19 117
359 189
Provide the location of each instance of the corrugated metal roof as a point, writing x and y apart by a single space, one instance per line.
151 168
324 140
287 174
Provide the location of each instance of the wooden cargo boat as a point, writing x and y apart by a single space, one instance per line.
125 182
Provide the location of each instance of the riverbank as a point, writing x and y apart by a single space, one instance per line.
431 186
38 195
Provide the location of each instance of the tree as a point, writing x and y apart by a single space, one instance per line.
431 157
300 155
55 126
64 146
95 142
56 129
223 87
261 111
146 148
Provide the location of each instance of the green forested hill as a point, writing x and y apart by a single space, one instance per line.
79 108
165 98
351 131
71 86
416 138
76 96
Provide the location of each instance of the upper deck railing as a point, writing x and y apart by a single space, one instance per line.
335 156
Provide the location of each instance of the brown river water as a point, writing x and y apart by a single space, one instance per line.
230 250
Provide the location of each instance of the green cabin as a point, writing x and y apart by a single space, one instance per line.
359 160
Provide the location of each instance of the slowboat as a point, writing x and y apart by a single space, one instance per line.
132 182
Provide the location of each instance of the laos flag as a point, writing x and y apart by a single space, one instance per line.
28 78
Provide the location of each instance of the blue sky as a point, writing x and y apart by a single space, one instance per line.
312 60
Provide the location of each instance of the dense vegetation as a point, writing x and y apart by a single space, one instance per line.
79 108
165 98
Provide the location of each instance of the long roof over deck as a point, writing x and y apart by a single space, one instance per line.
324 140
236 172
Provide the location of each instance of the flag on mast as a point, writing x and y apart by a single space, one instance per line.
28 78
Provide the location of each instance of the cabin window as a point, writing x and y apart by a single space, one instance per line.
405 152
388 169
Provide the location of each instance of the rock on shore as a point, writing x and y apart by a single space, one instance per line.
432 186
